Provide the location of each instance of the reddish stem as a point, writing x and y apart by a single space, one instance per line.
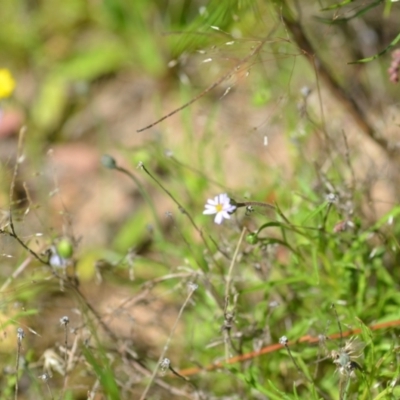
274 347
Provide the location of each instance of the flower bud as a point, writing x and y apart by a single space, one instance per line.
252 238
65 248
108 161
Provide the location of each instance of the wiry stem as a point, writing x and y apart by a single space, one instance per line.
192 288
255 51
143 193
13 233
20 336
199 231
228 287
343 96
254 203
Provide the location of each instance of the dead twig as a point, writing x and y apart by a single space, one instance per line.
325 75
244 60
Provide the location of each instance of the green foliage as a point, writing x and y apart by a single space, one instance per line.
104 373
386 49
317 259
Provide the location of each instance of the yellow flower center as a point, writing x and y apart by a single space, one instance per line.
219 207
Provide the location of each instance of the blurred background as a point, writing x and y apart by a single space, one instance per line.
291 117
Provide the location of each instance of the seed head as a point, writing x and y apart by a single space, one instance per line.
20 334
164 365
283 340
192 286
64 320
344 358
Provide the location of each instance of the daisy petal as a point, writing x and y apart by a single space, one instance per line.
231 208
223 198
218 218
225 215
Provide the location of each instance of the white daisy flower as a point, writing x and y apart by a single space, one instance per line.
220 206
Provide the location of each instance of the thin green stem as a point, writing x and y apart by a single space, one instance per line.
162 355
228 285
143 193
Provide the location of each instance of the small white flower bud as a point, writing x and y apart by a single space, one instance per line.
164 365
331 197
283 340
20 334
192 286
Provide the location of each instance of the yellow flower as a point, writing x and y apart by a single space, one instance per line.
7 83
